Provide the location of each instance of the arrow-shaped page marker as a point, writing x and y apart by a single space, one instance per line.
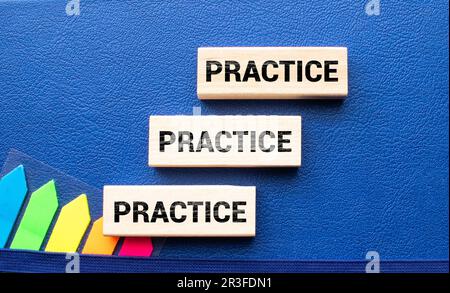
37 218
136 246
97 243
70 226
13 189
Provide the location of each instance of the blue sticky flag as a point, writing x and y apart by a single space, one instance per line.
13 189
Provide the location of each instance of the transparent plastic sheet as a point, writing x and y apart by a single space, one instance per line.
67 187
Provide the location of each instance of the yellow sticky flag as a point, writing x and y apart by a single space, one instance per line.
70 226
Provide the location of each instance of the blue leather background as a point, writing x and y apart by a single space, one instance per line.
76 92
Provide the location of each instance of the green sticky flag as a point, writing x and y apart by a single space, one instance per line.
37 218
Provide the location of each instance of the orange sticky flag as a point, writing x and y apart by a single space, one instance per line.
97 243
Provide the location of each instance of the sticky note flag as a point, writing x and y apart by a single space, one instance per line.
37 218
136 246
70 226
13 189
97 243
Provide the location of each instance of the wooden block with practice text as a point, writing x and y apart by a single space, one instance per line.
225 141
179 211
271 72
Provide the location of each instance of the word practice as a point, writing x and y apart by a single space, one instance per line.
179 211
225 141
271 72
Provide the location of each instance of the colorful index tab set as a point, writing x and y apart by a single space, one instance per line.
140 212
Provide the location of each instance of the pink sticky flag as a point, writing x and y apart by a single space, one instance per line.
136 246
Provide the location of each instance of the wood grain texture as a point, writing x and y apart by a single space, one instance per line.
222 211
301 81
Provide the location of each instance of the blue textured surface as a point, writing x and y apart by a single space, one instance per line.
76 92
52 262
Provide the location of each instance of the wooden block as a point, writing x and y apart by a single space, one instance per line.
179 211
271 72
70 227
225 141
